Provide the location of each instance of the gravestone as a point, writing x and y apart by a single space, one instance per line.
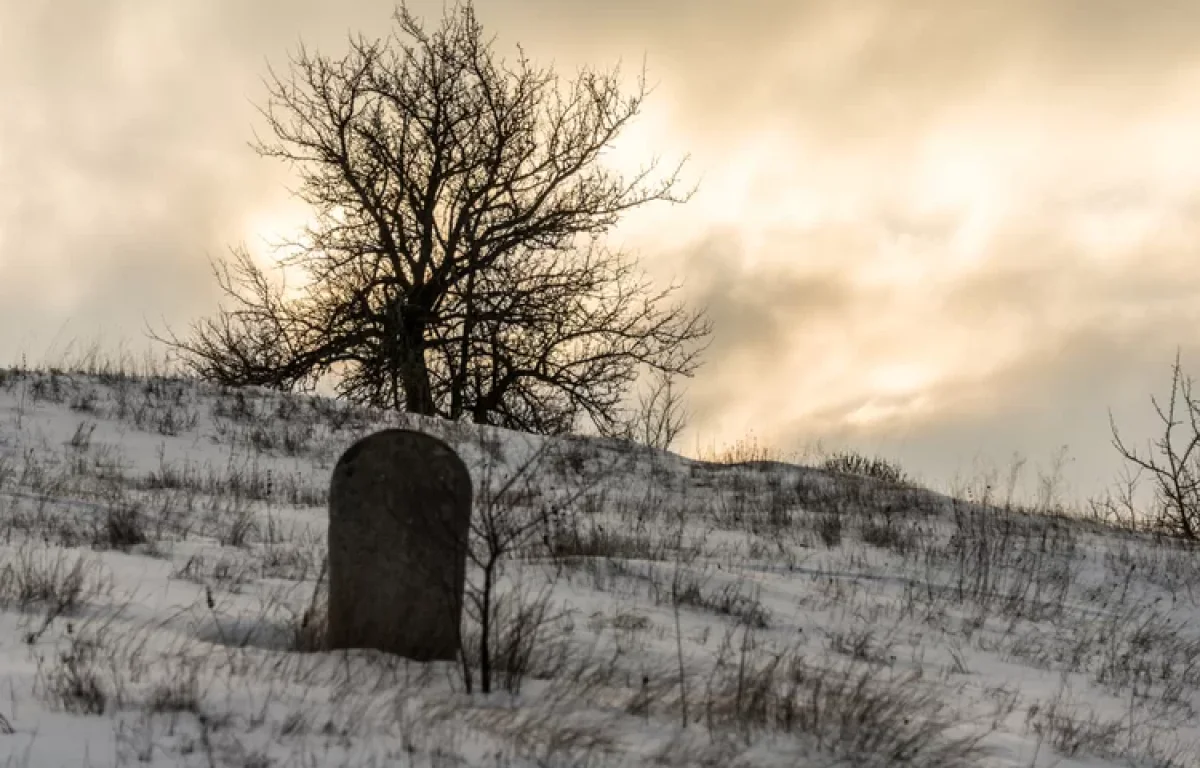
399 519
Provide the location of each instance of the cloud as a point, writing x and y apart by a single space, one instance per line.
937 226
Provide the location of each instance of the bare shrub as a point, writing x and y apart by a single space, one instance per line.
886 533
122 526
49 387
163 407
861 644
658 416
74 679
81 439
1117 507
689 588
520 627
852 463
85 400
829 528
743 451
308 629
575 538
850 709
7 470
179 693
53 580
231 521
281 437
510 512
1022 565
1074 730
1071 732
1176 468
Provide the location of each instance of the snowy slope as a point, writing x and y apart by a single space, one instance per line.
162 545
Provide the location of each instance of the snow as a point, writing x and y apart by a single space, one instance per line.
161 541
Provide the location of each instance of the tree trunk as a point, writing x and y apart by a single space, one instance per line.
409 358
418 393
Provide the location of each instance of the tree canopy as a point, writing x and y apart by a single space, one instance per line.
456 263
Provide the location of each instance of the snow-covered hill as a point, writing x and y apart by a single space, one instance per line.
162 546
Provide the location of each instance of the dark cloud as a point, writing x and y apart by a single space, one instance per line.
757 314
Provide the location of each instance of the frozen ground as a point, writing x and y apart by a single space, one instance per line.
161 556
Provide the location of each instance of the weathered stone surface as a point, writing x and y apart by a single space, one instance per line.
399 519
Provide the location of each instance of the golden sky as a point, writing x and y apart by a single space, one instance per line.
942 230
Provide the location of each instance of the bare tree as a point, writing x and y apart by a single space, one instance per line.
455 265
1176 468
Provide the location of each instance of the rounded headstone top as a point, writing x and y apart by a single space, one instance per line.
402 445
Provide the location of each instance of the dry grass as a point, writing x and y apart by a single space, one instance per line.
713 579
